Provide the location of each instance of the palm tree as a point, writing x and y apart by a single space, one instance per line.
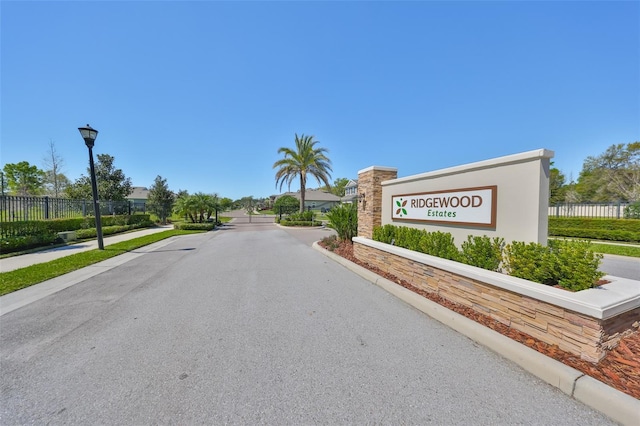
304 159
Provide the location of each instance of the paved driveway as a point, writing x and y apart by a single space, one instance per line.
253 327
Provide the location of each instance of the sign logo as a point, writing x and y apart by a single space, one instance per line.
467 206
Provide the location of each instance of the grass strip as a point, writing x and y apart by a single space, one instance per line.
34 274
630 251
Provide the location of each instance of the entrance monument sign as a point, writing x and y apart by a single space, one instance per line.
468 206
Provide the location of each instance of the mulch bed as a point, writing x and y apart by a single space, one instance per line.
620 368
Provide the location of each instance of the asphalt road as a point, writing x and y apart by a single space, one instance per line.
621 266
249 325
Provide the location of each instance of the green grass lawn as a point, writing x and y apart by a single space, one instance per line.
604 247
25 277
624 250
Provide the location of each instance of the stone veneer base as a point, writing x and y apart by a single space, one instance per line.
586 323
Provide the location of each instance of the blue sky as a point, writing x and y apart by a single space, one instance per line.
204 93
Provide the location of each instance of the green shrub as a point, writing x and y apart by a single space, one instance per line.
439 244
632 211
530 261
286 222
576 265
305 216
482 252
187 226
344 219
385 234
595 234
409 238
632 225
106 230
25 242
37 227
569 264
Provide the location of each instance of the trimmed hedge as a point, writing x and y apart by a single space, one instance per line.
188 226
23 235
37 227
595 228
285 222
569 264
106 230
595 234
25 242
632 225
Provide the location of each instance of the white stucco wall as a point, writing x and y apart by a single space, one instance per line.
522 182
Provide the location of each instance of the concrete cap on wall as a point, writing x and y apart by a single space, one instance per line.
522 157
379 168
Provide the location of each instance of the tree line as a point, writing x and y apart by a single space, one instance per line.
614 175
25 179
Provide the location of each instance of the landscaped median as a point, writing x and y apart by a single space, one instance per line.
25 277
586 323
584 381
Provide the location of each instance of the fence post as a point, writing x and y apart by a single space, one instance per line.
46 207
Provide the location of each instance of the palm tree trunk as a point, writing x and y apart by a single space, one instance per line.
303 184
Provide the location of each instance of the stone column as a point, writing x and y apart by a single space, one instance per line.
370 197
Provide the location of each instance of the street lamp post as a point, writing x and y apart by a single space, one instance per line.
89 135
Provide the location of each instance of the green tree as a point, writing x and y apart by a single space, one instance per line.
112 183
338 186
24 179
161 199
557 187
205 205
287 203
247 203
225 203
305 159
197 207
3 183
614 174
182 207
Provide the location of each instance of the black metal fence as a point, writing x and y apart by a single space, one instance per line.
612 210
16 208
286 210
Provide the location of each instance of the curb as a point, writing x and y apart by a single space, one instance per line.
617 405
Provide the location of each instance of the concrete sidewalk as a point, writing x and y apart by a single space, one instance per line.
24 260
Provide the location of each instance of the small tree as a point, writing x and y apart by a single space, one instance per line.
55 181
286 204
24 179
112 183
161 199
338 187
614 174
557 188
225 203
197 207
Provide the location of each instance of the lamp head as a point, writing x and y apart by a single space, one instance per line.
89 135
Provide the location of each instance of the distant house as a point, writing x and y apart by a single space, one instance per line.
350 191
138 198
316 199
